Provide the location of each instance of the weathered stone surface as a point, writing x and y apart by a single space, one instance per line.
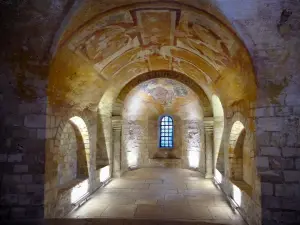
15 158
298 164
269 29
35 121
262 162
290 152
271 151
270 124
3 158
287 190
21 168
271 202
267 188
291 176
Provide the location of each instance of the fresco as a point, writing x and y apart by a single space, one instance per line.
161 95
164 91
128 41
161 38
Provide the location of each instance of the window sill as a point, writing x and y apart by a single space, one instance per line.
243 186
98 167
165 155
69 185
166 159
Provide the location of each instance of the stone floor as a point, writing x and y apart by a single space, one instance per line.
159 193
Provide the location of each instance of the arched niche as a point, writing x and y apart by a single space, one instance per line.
218 117
67 167
236 144
141 110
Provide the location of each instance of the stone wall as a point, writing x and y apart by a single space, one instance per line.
268 29
67 165
134 148
249 209
153 140
236 151
104 141
141 145
61 199
194 145
278 162
239 143
24 69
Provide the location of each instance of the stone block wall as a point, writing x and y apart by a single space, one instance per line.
67 165
22 159
194 145
153 140
134 150
239 151
249 209
140 146
23 138
236 151
278 158
59 199
218 143
104 141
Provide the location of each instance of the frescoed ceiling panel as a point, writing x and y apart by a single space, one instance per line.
125 42
158 96
157 32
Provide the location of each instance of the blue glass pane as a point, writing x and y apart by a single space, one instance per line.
166 132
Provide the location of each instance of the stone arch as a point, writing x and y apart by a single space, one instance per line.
236 142
247 146
81 133
82 136
118 103
68 166
98 73
188 150
218 129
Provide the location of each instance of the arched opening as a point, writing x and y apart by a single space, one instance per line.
218 129
236 144
166 132
149 140
68 167
188 64
98 47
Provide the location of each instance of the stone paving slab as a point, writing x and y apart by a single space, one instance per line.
161 194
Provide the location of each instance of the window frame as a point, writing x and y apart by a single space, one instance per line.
160 132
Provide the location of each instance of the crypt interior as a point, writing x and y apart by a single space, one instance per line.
150 112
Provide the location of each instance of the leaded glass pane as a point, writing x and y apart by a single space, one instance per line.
166 132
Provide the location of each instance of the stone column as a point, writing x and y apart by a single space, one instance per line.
208 127
117 145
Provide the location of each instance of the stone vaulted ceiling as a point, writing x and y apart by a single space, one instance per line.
131 40
160 96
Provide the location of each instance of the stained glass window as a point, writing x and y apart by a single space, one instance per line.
166 132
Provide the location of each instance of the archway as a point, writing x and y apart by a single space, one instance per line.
236 142
68 167
143 107
115 52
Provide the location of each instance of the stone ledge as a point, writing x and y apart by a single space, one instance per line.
69 185
243 186
100 166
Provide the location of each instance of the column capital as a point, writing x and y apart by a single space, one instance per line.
116 122
208 124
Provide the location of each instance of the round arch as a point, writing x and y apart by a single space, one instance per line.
68 166
118 96
236 141
201 46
